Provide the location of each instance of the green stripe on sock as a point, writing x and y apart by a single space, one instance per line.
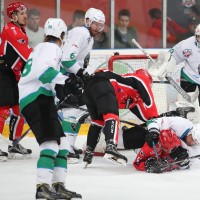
61 159
46 160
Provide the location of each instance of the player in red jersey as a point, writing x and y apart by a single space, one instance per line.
14 52
156 158
106 93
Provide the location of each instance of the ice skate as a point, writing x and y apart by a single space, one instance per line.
45 192
3 156
74 156
113 155
89 153
66 194
18 151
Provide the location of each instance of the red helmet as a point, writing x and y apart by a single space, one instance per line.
146 73
168 140
14 7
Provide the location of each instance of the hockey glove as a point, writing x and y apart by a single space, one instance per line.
83 75
152 136
152 165
179 153
73 85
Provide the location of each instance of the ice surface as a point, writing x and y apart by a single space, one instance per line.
102 180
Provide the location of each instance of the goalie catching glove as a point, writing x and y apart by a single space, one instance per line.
164 65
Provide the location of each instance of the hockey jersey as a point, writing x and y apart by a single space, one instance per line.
132 90
179 125
14 49
188 51
76 48
41 73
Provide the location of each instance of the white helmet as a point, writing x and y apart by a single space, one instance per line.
197 32
94 15
196 133
55 27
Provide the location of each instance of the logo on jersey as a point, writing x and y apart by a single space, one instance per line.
187 53
21 41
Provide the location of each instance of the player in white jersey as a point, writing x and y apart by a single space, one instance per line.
36 91
75 51
188 53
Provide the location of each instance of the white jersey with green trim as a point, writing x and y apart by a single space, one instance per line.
41 73
77 46
181 126
188 52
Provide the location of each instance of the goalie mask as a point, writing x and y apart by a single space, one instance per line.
196 133
197 35
95 16
168 140
55 27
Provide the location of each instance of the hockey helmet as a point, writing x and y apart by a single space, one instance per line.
55 27
197 35
95 15
168 140
146 73
15 7
196 133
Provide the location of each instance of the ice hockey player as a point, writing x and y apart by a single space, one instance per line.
105 93
188 52
159 158
36 92
14 52
75 60
134 137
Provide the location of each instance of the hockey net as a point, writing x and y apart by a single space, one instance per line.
164 93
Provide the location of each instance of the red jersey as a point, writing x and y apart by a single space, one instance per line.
133 90
14 48
147 152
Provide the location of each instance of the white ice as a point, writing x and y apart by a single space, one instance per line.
102 180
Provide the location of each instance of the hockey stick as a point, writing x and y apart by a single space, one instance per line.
15 142
171 164
145 53
183 93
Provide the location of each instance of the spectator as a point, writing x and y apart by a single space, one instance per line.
123 33
192 24
34 32
154 36
78 19
195 11
101 41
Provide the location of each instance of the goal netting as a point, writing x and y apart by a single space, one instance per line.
164 94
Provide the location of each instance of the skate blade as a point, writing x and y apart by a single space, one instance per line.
85 164
114 159
16 156
3 158
72 160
